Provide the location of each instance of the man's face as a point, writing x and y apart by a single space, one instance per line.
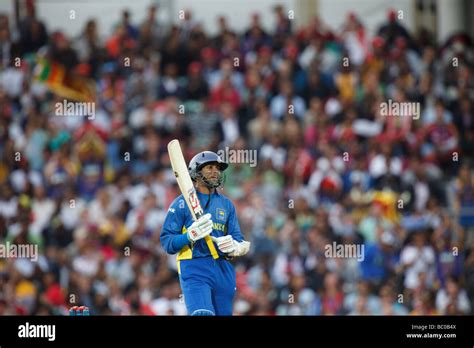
211 172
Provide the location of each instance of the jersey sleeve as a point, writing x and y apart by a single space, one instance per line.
233 225
171 237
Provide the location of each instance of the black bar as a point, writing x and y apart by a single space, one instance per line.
136 330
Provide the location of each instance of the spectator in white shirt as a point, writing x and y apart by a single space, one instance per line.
451 300
418 257
287 103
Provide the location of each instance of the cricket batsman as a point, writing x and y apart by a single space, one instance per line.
207 277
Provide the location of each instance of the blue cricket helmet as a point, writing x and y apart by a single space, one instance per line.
202 159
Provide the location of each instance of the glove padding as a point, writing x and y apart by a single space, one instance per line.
231 247
241 248
200 228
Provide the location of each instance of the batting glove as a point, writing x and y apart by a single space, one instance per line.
200 228
230 246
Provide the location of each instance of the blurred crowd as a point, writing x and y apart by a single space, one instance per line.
93 193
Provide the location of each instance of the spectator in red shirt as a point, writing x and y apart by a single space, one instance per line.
225 92
333 297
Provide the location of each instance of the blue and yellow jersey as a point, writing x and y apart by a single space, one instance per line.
178 218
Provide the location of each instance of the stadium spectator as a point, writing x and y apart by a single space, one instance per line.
452 300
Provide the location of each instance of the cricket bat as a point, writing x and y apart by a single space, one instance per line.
186 186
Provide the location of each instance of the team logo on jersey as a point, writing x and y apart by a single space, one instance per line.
220 214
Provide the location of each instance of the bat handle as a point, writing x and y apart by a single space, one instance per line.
198 215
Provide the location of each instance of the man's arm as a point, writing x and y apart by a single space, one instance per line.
172 239
233 243
233 226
